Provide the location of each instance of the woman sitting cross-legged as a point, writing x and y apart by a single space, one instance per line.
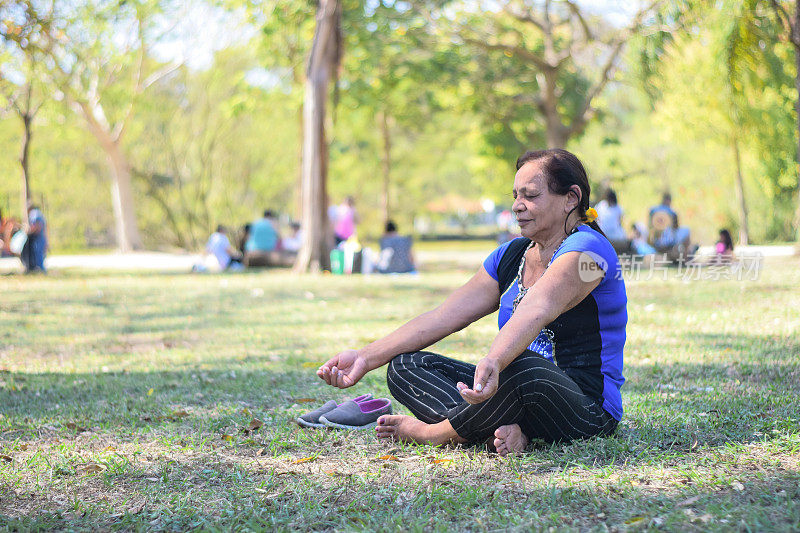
554 370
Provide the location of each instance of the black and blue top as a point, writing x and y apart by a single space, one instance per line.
586 341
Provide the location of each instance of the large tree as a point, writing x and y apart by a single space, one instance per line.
537 65
96 56
20 98
323 63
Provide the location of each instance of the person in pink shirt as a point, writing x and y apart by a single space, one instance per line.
344 225
724 248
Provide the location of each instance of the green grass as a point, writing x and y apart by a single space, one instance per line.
125 402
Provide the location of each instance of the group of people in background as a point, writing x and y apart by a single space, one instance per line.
263 243
662 235
28 241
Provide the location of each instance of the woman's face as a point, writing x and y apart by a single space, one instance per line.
540 213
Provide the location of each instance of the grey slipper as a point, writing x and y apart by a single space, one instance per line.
352 415
311 420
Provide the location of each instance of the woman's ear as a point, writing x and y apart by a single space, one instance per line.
573 198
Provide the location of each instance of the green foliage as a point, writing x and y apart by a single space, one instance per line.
219 144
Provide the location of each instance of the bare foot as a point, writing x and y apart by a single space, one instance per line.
409 429
510 439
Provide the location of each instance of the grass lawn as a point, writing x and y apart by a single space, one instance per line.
131 402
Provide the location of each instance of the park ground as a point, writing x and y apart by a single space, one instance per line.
165 401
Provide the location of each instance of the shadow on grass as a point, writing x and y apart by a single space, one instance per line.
676 408
189 494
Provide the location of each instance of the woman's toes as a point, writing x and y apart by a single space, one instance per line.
502 432
500 446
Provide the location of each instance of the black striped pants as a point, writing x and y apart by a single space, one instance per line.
532 392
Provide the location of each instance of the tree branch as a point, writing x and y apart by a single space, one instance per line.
573 7
516 50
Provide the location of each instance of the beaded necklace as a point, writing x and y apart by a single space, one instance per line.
518 280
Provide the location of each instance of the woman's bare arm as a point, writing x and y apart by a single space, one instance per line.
475 299
562 287
470 302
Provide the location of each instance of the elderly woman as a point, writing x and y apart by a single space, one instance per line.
554 370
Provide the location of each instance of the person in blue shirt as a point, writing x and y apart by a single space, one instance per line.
263 234
554 370
35 250
263 244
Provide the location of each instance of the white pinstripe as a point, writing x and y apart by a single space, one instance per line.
533 401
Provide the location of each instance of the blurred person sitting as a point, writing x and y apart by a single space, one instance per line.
293 242
609 218
395 256
263 244
8 227
639 244
244 235
219 247
724 248
666 235
345 220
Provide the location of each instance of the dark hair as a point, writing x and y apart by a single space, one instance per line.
221 229
563 170
269 213
391 227
611 197
725 237
666 198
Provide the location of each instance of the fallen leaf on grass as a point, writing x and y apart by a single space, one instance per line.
388 458
738 487
137 508
689 501
109 449
76 427
180 413
6 458
261 451
255 424
303 400
439 461
90 468
150 392
227 437
303 460
634 520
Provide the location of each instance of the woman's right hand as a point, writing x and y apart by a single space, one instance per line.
344 369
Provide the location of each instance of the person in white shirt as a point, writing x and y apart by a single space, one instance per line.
220 247
609 217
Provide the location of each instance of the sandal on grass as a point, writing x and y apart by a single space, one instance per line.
311 420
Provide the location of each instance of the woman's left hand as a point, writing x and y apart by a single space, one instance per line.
487 376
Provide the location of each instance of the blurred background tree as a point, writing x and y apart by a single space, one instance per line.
433 99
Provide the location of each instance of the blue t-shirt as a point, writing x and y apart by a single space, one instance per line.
586 341
263 237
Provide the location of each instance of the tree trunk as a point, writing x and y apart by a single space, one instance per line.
24 162
386 161
122 199
314 254
555 132
121 190
744 233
